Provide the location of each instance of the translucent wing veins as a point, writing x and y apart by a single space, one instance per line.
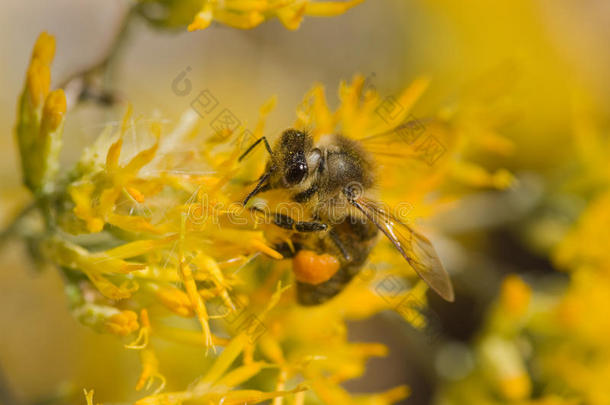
414 247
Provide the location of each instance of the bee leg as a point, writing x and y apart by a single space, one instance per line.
259 140
284 221
287 250
358 239
337 241
310 226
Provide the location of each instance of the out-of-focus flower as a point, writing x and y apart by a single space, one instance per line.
555 346
243 14
585 246
553 342
40 120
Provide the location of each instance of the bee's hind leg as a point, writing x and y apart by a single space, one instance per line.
288 250
340 245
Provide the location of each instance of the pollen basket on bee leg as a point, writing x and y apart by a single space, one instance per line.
312 268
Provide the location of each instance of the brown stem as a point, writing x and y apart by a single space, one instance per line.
85 84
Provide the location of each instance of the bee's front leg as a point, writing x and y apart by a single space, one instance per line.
286 222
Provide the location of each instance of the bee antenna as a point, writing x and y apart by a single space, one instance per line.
251 147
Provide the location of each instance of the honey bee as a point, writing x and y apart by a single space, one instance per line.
334 180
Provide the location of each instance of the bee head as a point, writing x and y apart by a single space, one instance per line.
293 147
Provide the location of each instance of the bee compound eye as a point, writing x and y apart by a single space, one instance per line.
296 172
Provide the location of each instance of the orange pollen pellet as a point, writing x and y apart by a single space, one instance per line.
312 268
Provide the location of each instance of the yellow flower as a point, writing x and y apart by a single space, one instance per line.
515 296
241 14
123 323
247 14
40 118
586 244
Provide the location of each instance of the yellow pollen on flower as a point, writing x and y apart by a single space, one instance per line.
175 300
123 323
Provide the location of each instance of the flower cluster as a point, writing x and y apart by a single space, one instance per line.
153 247
546 345
243 14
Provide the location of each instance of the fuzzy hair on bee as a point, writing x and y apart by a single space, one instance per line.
334 180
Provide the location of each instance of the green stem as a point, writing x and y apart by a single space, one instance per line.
13 227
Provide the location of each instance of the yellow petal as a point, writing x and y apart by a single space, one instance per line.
136 248
176 300
83 205
240 397
329 8
239 20
291 17
203 19
241 374
38 82
54 110
224 361
186 274
44 49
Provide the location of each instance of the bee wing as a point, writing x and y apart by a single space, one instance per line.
406 143
414 247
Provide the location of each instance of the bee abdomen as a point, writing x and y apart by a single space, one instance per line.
357 239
